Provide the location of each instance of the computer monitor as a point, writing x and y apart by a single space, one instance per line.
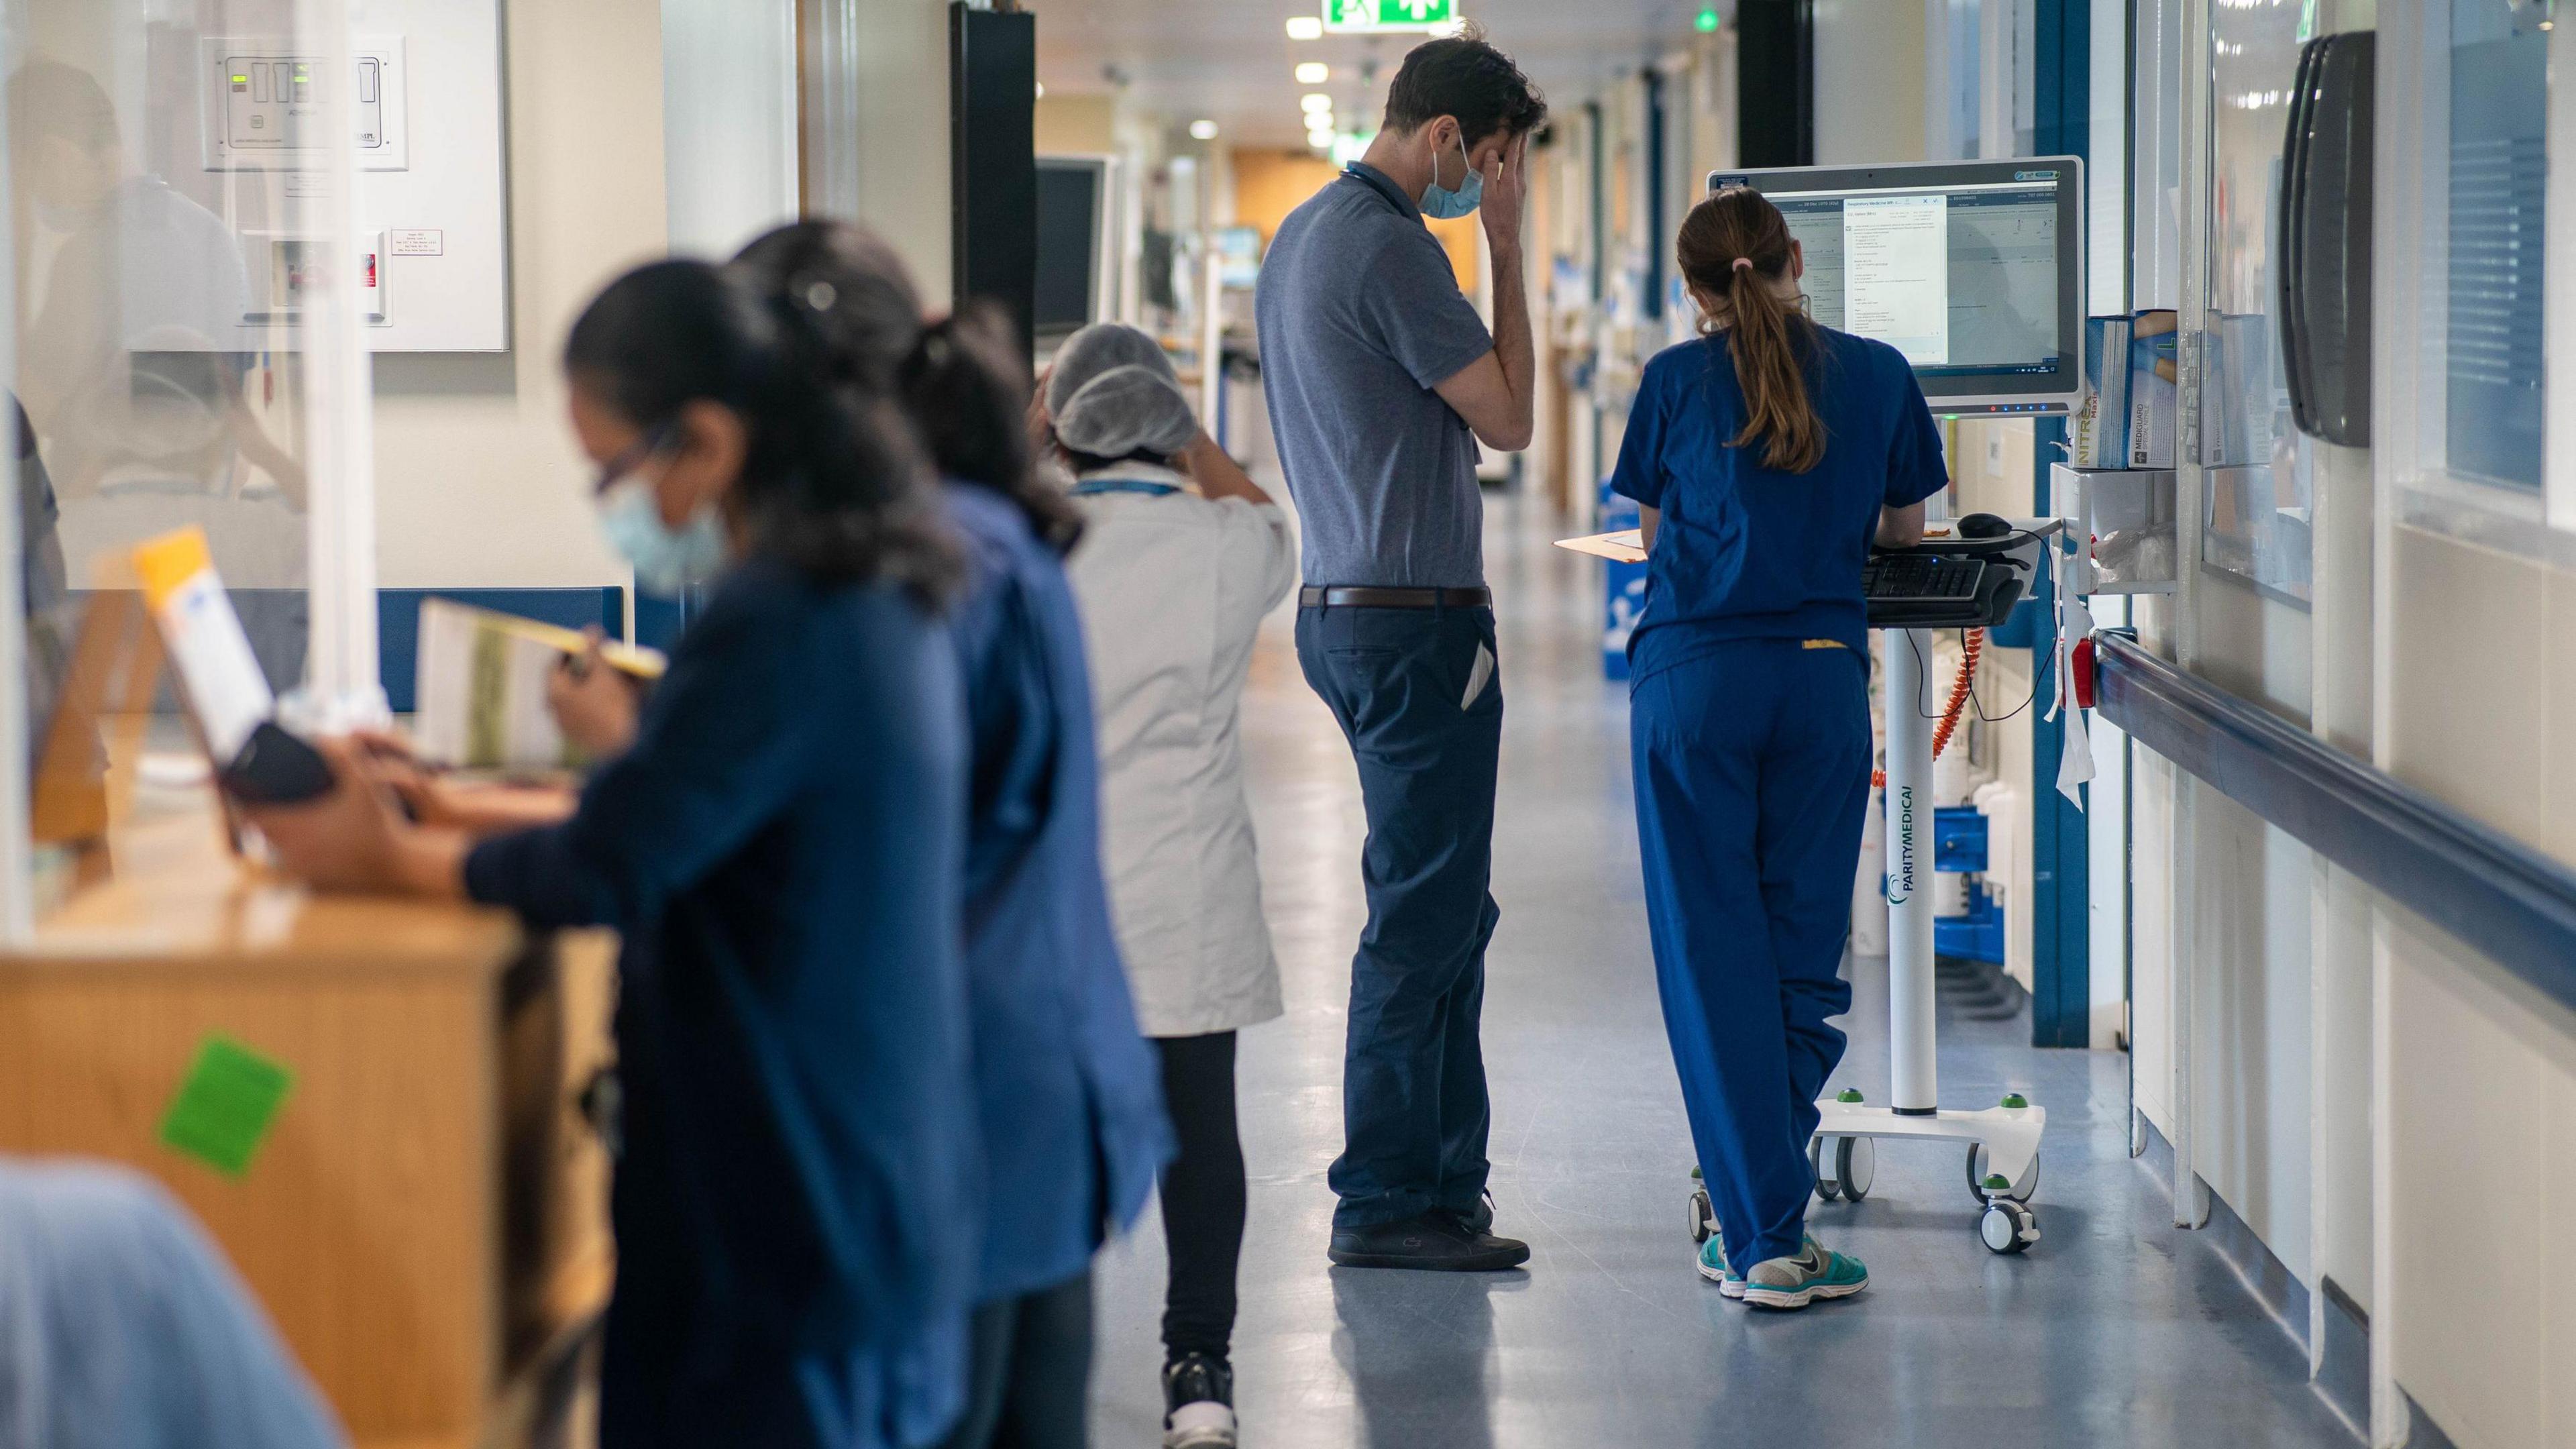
1077 281
1973 269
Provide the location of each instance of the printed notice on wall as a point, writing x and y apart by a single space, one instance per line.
419 242
1896 273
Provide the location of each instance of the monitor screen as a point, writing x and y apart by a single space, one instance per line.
1972 270
1069 237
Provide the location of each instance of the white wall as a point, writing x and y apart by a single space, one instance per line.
729 120
2250 1011
478 481
2482 1143
1869 82
2479 678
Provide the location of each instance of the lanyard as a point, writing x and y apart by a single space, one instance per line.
1375 180
1123 485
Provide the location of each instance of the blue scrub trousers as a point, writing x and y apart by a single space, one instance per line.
1414 1110
1752 770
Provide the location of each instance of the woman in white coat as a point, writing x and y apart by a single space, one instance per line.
1181 556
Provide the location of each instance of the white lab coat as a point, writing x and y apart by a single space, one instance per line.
1173 588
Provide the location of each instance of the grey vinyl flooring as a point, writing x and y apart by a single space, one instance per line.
2114 1329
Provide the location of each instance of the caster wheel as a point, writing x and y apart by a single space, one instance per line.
1855 1166
1703 1217
1828 1185
2019 1192
2007 1227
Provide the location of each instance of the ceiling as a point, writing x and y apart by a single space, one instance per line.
1230 61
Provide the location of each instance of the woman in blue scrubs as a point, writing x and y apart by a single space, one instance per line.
781 847
1071 1096
1767 456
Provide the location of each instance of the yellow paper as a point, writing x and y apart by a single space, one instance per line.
1625 546
167 562
225 689
480 697
633 659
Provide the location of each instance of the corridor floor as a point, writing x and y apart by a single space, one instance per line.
2114 1329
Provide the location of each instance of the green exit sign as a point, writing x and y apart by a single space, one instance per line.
1376 17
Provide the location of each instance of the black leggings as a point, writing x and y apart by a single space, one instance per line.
1030 1383
1203 1194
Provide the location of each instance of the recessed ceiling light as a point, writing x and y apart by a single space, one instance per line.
1305 27
1313 101
1313 73
1321 138
1202 130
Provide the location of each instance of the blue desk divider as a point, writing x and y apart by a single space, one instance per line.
277 622
659 618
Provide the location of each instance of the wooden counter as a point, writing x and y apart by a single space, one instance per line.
426 1219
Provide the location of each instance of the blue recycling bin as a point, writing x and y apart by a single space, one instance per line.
1958 838
1626 596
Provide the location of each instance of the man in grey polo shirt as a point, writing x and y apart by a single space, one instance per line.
1381 379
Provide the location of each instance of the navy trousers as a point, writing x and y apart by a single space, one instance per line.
1752 770
1425 721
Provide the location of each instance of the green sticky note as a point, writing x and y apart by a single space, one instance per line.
225 1106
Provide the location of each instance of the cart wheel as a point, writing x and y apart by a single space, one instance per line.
2019 1192
1828 1186
1855 1166
2007 1227
1703 1218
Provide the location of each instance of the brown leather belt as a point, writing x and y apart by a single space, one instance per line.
1365 596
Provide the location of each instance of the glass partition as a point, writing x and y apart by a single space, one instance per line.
2259 488
2498 180
185 303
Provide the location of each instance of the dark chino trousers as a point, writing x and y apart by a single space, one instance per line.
1414 1110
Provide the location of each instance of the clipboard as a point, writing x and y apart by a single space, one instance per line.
1626 546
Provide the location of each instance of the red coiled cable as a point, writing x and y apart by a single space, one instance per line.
1972 643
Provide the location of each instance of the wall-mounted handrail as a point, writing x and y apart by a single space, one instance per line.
2511 903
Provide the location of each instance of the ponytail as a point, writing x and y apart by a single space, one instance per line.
960 384
1734 251
969 396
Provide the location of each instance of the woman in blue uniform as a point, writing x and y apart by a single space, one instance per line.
1071 1096
781 850
1766 456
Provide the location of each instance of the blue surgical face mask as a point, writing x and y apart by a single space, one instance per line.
1439 201
666 560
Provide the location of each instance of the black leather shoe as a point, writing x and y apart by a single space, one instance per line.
1436 1241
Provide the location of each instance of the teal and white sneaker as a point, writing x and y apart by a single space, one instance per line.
1713 1267
1814 1273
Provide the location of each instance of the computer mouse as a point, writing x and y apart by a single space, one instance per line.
1983 525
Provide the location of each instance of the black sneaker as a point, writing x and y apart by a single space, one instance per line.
1198 1399
1439 1241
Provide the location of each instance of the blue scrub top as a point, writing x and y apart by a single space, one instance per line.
796 1205
1746 551
1071 1096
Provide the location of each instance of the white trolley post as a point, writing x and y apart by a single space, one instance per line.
2001 1143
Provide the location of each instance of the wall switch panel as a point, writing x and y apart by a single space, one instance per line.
423 87
265 102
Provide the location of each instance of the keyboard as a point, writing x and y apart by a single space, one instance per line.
1922 578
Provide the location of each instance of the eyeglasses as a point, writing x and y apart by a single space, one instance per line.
631 457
